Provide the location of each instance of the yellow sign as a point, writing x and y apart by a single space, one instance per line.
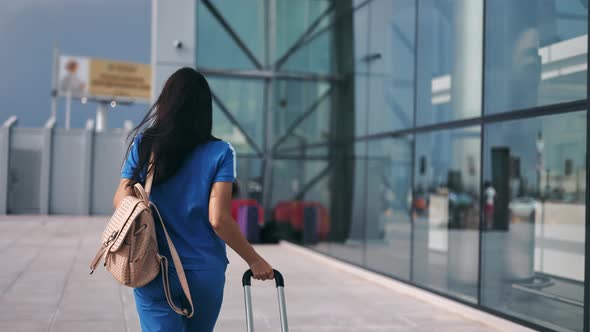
98 78
120 79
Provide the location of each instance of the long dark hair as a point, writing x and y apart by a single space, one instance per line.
180 119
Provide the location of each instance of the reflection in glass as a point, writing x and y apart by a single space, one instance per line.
293 18
449 64
225 130
388 229
330 188
536 53
384 54
391 104
249 178
533 244
243 99
301 113
247 20
446 211
348 210
215 47
314 57
300 180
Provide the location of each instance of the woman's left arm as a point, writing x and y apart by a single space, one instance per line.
123 190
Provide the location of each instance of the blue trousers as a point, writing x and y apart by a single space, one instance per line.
155 315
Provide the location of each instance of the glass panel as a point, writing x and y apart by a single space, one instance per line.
293 18
305 152
225 130
391 104
301 198
361 104
215 47
249 178
247 19
244 99
315 57
348 188
536 53
446 211
533 246
449 60
293 176
340 229
361 42
392 38
392 51
292 100
388 229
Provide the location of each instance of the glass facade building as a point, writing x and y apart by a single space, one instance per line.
444 142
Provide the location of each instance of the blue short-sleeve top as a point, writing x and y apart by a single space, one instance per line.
183 202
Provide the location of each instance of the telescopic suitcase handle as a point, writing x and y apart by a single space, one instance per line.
248 275
280 284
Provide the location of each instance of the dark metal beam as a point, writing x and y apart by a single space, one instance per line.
299 195
398 111
304 35
533 112
571 16
268 74
310 110
587 221
404 40
269 49
215 12
235 122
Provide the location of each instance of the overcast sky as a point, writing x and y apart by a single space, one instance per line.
113 29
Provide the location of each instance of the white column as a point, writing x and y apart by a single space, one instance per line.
466 92
466 81
54 84
68 109
101 117
171 21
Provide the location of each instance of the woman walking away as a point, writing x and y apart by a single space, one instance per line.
194 172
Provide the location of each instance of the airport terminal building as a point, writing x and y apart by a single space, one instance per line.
442 143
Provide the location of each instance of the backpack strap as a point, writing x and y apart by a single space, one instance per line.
179 271
175 258
150 175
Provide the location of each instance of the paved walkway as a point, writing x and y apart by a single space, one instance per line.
45 286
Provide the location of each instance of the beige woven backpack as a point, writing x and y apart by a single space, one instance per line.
130 249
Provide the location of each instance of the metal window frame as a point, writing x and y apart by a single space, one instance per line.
269 74
481 159
586 309
414 122
267 162
365 162
532 112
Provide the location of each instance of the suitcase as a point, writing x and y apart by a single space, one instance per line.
280 283
310 225
248 222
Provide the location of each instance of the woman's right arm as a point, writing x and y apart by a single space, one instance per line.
228 230
123 190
